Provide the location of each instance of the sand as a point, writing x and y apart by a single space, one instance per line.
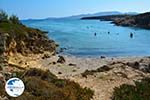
102 83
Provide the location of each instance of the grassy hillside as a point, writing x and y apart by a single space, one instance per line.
39 84
23 39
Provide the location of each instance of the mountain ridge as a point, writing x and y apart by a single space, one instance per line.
88 14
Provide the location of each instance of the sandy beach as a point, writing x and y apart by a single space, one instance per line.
102 83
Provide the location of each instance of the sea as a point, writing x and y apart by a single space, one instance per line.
94 38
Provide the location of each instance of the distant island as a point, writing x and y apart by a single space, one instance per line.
140 20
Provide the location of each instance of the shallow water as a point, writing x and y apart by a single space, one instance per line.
78 36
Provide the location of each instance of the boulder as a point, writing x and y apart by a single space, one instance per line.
145 68
135 65
102 57
61 60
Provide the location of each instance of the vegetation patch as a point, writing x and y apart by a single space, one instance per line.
91 72
139 91
23 39
43 85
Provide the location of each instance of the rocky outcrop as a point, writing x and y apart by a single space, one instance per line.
3 64
32 43
141 20
23 39
104 18
3 56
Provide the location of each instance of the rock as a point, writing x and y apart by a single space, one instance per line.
135 65
62 49
25 63
1 77
148 68
61 60
72 64
140 66
59 72
74 70
1 68
46 56
145 68
20 62
123 75
104 68
140 20
102 57
141 60
53 63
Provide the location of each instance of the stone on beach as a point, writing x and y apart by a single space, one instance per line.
72 64
46 56
61 60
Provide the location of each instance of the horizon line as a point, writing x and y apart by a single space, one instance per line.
57 17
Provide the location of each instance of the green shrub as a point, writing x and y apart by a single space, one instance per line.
43 75
91 72
3 16
14 19
141 91
2 89
28 40
43 85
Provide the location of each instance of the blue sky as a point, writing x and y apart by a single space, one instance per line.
60 8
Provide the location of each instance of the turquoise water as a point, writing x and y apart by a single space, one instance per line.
110 40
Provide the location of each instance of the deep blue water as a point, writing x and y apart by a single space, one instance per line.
79 39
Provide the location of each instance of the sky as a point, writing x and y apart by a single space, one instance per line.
38 9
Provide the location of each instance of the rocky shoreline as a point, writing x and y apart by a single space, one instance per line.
140 20
28 54
101 74
17 39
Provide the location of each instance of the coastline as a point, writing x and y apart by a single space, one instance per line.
102 83
34 50
137 21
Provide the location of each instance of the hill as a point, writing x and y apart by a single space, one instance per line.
107 13
104 18
140 20
23 39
